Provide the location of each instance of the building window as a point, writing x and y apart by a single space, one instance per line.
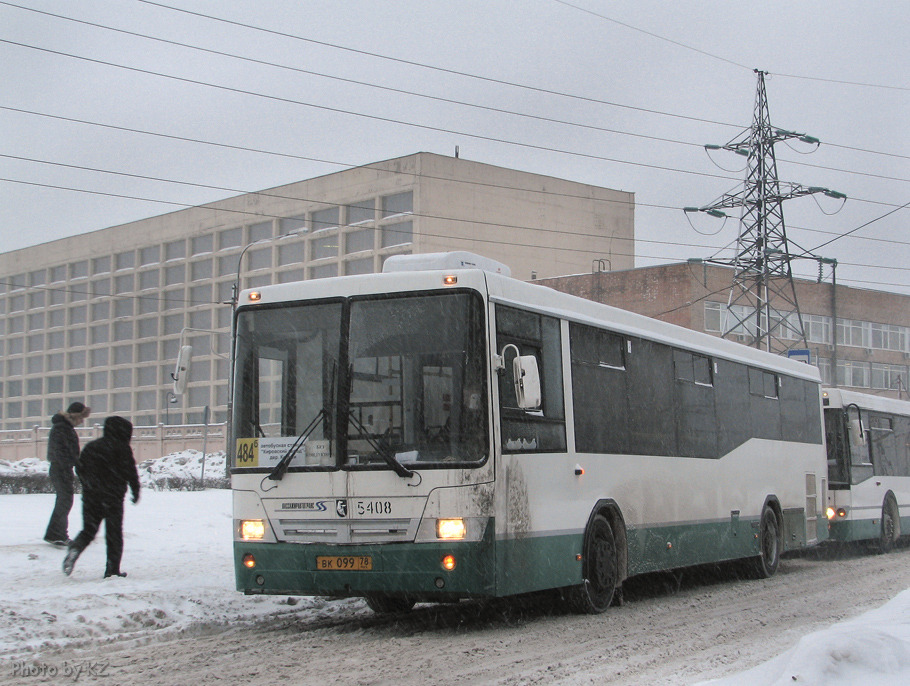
854 333
292 224
97 381
260 231
324 271
77 337
363 211
79 270
325 246
285 277
852 373
58 273
201 270
325 219
125 260
397 234
889 376
203 244
123 354
124 283
259 259
37 277
150 255
175 250
818 328
400 203
148 280
99 357
230 238
101 287
292 253
364 266
101 265
123 307
358 241
175 275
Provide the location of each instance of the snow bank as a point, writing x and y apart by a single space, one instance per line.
872 649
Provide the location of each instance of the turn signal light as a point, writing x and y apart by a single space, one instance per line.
448 563
249 561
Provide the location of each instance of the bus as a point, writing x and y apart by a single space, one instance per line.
442 431
868 439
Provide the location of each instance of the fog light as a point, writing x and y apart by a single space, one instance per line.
448 563
249 561
260 580
440 582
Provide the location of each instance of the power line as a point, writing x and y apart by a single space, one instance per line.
390 120
724 59
297 198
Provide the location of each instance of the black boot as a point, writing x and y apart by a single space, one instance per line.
72 554
109 573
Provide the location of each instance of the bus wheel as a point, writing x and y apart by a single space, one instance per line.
765 565
600 569
388 604
889 533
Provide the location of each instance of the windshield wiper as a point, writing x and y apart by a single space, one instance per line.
277 474
380 450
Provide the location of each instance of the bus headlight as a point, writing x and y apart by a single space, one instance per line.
830 513
252 529
450 529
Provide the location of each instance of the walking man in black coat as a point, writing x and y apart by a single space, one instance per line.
62 453
106 467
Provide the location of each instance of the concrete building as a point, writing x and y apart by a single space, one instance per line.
100 317
860 339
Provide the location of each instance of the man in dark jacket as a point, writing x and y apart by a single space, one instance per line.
106 467
62 453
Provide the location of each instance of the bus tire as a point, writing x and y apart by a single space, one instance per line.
769 544
388 604
600 570
890 526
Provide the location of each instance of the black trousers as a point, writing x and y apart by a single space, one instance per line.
110 510
63 482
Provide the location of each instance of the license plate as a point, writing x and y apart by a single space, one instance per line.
344 563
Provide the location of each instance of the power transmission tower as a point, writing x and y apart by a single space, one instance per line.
762 304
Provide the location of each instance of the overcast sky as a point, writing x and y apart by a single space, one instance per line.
624 95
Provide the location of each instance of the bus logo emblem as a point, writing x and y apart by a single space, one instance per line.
341 508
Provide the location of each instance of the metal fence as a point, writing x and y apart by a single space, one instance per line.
149 442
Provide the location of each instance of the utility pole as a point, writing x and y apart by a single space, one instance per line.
762 305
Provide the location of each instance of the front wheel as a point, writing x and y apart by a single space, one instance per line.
890 531
600 570
765 565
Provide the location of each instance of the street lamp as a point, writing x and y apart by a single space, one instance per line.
171 400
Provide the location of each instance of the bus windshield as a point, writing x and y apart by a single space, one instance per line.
367 382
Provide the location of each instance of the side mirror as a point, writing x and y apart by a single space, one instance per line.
181 375
856 432
527 381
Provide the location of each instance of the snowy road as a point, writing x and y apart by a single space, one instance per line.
668 632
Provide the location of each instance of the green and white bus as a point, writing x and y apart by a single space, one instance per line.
442 431
868 439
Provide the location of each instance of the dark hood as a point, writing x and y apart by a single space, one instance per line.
119 428
60 418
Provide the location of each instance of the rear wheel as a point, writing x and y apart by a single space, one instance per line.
600 569
890 531
765 565
388 604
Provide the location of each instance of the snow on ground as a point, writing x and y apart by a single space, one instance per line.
177 551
